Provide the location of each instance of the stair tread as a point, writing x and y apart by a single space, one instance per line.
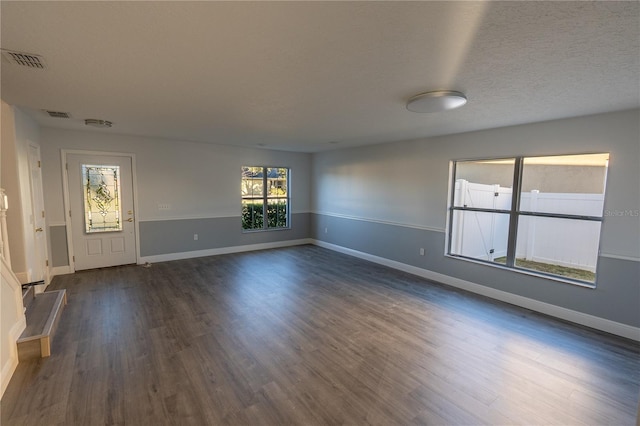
41 314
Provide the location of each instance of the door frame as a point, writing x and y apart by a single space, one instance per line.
44 263
67 203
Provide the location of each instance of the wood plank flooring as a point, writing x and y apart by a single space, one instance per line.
307 336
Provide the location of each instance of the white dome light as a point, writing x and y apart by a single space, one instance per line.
441 100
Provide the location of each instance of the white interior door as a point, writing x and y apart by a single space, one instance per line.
40 269
101 205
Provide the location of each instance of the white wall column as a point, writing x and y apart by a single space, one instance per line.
4 240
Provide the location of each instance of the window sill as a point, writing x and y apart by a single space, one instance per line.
558 279
252 231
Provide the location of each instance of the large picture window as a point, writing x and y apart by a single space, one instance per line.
536 214
265 198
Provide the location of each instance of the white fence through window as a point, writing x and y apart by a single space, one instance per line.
563 242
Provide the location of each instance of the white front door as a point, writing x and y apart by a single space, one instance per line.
40 269
102 216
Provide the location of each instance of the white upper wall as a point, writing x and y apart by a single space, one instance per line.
11 184
198 180
407 182
27 135
19 131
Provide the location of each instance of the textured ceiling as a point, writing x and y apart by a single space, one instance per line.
311 76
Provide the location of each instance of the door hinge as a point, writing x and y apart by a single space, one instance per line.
69 213
74 258
66 166
39 164
42 213
46 262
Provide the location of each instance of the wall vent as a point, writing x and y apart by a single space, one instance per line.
28 60
58 114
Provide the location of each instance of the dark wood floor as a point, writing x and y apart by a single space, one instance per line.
308 336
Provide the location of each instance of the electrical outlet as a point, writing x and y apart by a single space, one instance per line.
195 237
421 252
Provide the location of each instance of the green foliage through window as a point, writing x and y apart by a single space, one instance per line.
265 192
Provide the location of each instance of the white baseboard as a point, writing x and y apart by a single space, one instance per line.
223 250
38 289
11 364
587 320
60 270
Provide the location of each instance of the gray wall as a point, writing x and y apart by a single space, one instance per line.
176 236
58 242
391 200
201 183
387 200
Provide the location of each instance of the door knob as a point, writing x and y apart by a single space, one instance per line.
38 229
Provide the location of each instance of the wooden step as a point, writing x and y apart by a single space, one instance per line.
43 314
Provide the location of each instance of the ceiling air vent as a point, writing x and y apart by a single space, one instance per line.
58 114
28 60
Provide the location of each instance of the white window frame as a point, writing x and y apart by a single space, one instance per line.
265 198
515 213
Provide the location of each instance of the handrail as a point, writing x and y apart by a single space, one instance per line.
32 284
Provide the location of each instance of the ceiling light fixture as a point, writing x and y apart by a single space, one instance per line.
440 100
97 123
